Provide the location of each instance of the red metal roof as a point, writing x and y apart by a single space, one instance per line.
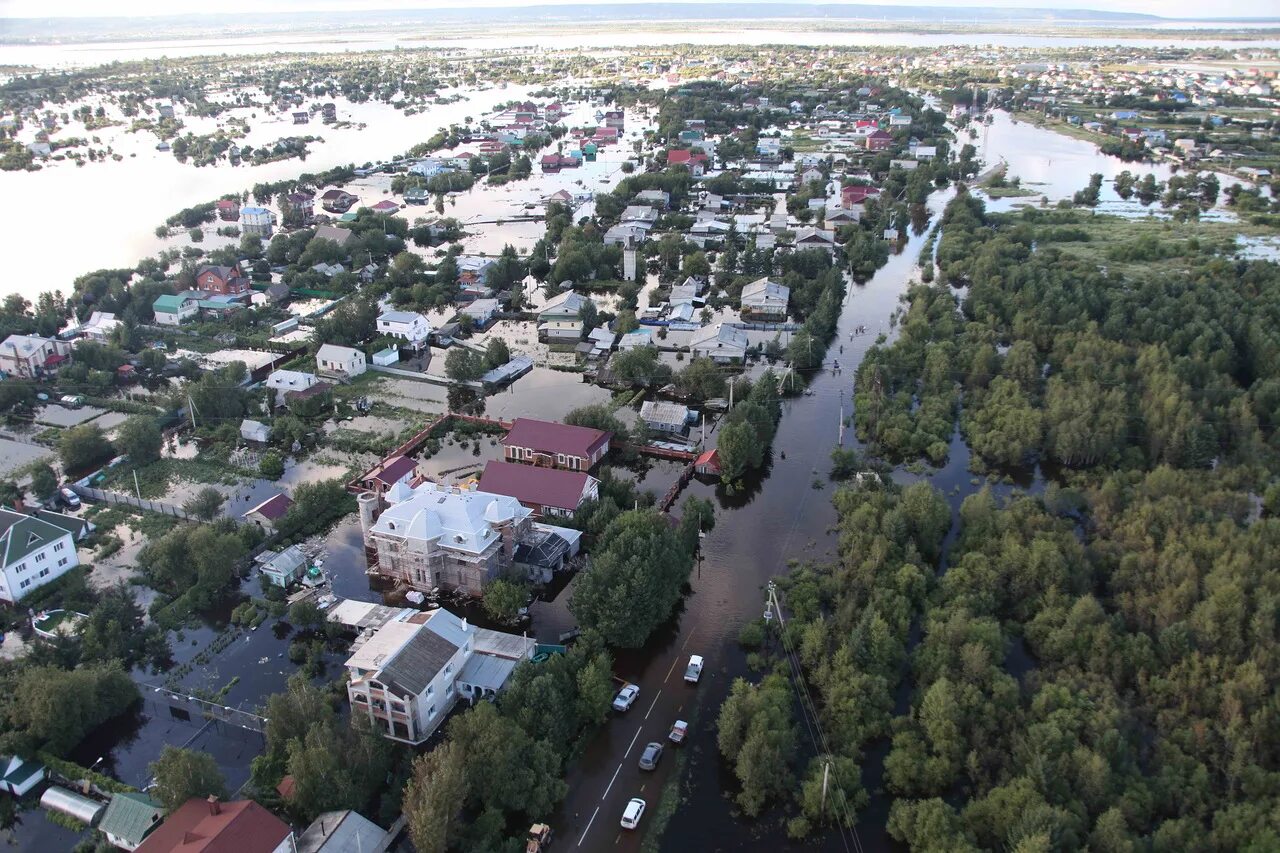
274 507
551 437
530 484
393 470
238 827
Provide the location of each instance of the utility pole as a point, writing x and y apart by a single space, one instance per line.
826 774
840 439
191 410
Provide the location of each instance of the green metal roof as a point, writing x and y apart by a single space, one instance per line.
21 534
131 816
19 771
168 302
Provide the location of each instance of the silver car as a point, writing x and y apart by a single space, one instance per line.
650 757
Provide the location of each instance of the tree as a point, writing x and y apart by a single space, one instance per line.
181 774
503 599
463 364
701 378
740 450
56 708
271 466
640 366
82 447
43 481
635 579
496 353
756 733
206 504
434 797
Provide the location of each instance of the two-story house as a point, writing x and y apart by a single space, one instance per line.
546 491
173 310
407 676
27 356
410 326
225 281
765 299
555 445
37 549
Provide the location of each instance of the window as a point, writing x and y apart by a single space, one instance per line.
431 714
63 561
449 692
431 689
26 583
448 670
59 546
43 572
41 557
22 567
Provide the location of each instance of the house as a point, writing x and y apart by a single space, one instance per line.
555 445
657 198
38 549
641 337
340 362
256 221
129 819
708 463
856 194
224 281
283 568
839 216
29 356
417 195
899 121
173 310
639 216
269 512
808 176
409 326
1124 115
212 826
20 775
879 140
100 326
334 233
765 299
165 110
341 832
815 238
925 152
721 343
328 270
385 206
481 311
337 201
410 673
626 235
560 331
433 536
695 162
566 306
285 381
255 431
664 417
228 209
769 147
302 202
390 472
473 275
40 149
546 491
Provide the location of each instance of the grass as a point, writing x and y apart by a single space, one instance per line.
668 802
155 479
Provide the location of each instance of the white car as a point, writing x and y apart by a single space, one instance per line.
632 813
626 698
694 670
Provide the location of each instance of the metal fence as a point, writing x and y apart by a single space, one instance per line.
102 495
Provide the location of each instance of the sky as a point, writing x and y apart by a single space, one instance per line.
134 8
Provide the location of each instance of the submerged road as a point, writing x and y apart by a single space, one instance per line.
784 517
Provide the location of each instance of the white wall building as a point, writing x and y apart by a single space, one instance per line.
409 326
341 362
38 549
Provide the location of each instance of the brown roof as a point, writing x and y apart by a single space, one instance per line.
551 437
201 826
529 484
394 469
274 507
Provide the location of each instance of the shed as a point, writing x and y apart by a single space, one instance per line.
340 832
20 775
129 818
255 431
665 416
74 805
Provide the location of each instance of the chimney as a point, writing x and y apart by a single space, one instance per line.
215 807
464 623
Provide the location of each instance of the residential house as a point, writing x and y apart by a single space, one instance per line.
765 299
481 311
40 149
925 152
546 491
879 140
721 343
130 817
434 536
38 549
656 198
769 147
334 233
173 310
339 362
302 117
411 672
665 417
255 431
815 238
641 337
626 235
224 281
268 513
29 356
409 326
337 201
341 832
639 216
833 216
256 222
808 176
708 463
905 165
165 110
473 275
391 471
304 203
100 326
228 209
555 445
285 381
695 162
560 319
856 194
212 826
284 567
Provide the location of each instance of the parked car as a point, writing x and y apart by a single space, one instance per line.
70 498
678 732
651 756
632 813
694 670
626 697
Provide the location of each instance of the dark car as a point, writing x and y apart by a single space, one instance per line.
650 757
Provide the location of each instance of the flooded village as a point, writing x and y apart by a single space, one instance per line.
369 483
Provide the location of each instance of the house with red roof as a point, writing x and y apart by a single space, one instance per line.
856 194
606 135
708 463
392 470
270 511
695 161
879 140
228 210
224 281
553 445
546 491
212 826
